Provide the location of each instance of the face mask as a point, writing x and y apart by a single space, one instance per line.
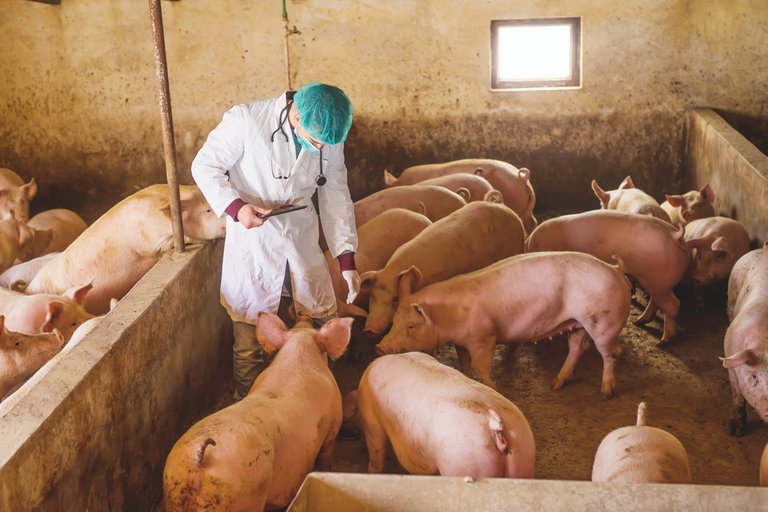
305 144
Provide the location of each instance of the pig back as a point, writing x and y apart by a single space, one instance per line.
513 183
66 226
752 269
422 418
433 201
473 237
652 250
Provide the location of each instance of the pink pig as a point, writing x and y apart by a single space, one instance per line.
377 240
477 235
34 314
764 467
123 244
19 276
629 199
432 201
20 242
65 225
523 298
653 251
746 339
716 244
21 355
15 195
254 454
695 204
641 454
440 422
471 187
513 183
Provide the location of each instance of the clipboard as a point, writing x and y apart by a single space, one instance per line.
281 210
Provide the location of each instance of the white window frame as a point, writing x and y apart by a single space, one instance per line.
572 82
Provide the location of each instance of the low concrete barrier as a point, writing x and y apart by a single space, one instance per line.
93 432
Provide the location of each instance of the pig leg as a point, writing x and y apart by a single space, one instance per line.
324 458
481 354
376 441
465 360
738 420
670 305
578 343
648 314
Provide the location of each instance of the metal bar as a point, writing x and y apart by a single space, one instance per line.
169 144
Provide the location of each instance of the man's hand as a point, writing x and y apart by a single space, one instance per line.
248 218
353 284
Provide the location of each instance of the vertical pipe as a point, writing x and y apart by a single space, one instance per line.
287 56
169 144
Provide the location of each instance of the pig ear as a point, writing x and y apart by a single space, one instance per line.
271 332
421 208
707 193
696 243
53 311
524 173
59 336
494 196
420 311
368 279
389 178
601 194
112 303
334 335
78 293
745 356
464 193
627 183
408 282
352 310
479 171
721 244
30 189
676 200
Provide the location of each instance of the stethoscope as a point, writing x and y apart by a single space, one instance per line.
319 180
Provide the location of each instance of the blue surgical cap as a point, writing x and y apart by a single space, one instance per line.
324 111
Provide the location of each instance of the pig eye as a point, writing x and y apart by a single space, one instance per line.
753 380
18 343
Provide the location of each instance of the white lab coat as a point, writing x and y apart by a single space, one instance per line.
254 259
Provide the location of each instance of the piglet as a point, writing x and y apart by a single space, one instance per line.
255 453
34 314
123 244
440 422
18 276
514 184
15 195
20 242
21 355
716 244
528 297
695 204
746 339
65 225
430 200
641 454
629 199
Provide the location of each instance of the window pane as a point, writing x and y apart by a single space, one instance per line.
534 53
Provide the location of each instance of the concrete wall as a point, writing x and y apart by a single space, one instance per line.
79 110
736 169
404 493
92 431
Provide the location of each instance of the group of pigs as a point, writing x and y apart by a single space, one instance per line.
452 253
59 276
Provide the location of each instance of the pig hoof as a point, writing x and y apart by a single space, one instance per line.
662 343
557 384
606 395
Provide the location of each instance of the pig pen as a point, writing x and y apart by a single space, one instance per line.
94 432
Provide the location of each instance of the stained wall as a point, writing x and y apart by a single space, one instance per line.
79 108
